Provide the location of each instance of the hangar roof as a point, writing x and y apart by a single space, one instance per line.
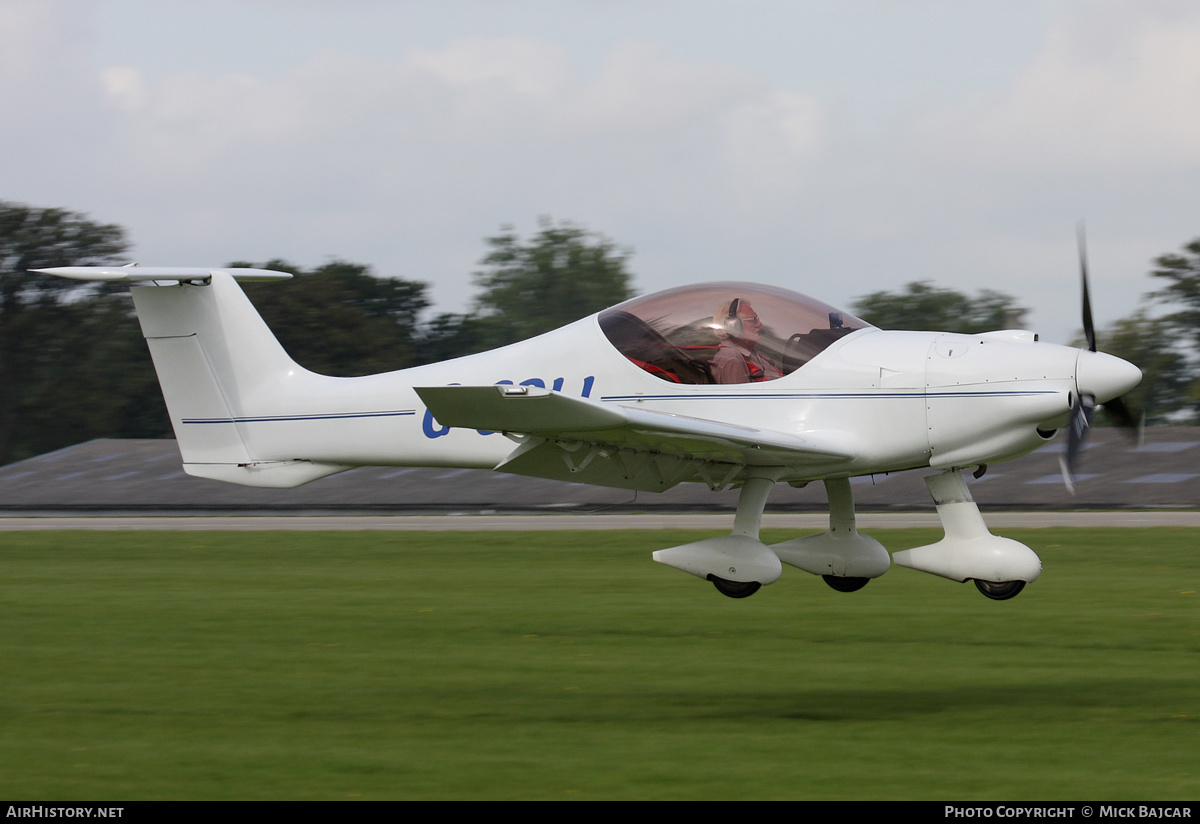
144 476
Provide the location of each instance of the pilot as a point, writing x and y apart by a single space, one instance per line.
736 361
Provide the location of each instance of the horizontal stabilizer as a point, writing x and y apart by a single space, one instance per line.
135 274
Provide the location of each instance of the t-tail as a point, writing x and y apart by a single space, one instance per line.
221 369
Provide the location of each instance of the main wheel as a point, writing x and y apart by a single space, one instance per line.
842 584
735 589
1000 591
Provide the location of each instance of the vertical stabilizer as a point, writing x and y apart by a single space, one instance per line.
218 365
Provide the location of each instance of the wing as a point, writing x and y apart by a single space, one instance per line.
581 440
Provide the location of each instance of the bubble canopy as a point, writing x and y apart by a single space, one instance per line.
676 335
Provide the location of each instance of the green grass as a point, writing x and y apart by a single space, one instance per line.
569 665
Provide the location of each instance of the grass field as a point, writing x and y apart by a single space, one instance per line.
569 665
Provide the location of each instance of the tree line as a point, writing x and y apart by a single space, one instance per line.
73 365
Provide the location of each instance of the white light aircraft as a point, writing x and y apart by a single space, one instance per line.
725 384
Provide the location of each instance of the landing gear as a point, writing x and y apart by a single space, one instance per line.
735 589
999 590
845 558
738 564
845 584
969 552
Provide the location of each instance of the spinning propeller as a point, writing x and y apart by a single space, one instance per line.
1096 375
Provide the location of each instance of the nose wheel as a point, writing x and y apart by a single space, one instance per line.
999 590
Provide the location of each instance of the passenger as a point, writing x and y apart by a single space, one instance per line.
739 328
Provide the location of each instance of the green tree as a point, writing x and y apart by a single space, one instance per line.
562 274
340 319
47 344
1182 292
94 381
450 335
923 306
1181 297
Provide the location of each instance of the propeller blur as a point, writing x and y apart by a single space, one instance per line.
1100 380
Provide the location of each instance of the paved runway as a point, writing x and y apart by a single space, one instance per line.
445 523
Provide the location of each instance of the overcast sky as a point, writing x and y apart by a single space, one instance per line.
836 148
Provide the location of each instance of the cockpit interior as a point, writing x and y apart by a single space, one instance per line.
677 335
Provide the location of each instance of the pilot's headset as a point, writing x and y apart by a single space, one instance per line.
733 324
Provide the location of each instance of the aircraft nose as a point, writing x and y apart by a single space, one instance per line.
1104 376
